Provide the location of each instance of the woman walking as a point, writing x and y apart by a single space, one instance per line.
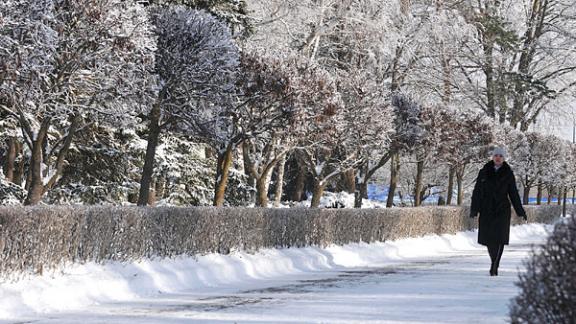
495 188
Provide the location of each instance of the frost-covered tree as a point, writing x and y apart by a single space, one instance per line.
544 165
554 173
440 126
370 128
261 108
275 92
66 64
519 64
196 59
470 137
312 105
408 133
233 12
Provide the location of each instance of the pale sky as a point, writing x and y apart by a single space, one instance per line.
560 125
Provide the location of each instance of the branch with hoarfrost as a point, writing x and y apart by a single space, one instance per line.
64 58
196 60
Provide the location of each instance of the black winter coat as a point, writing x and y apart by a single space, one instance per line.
493 192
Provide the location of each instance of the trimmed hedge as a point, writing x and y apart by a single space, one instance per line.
35 239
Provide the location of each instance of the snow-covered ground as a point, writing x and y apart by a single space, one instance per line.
429 279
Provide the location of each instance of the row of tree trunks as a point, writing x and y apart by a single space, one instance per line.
37 188
560 193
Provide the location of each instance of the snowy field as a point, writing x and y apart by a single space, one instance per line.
434 279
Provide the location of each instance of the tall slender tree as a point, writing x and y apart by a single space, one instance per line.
196 60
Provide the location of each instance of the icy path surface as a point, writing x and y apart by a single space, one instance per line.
437 279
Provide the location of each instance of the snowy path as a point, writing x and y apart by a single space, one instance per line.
452 286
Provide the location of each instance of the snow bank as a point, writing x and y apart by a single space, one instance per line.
340 200
83 285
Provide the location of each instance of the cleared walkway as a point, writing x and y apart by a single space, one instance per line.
452 288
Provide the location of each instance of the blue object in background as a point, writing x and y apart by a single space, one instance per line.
379 193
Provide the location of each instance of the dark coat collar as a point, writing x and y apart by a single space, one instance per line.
489 169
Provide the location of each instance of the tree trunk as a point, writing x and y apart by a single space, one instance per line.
360 184
160 187
459 181
152 194
35 183
148 170
262 191
222 170
317 194
526 196
349 179
365 176
246 151
488 68
539 194
19 165
361 192
394 171
573 195
59 167
418 184
560 195
441 201
549 198
300 183
9 164
564 201
28 175
279 182
450 189
209 152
